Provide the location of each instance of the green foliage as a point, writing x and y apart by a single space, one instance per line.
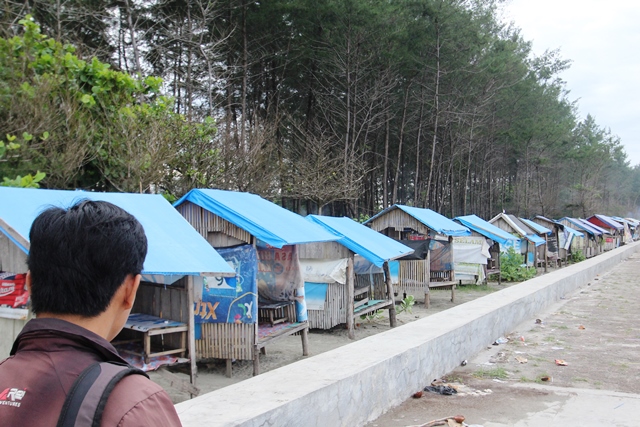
28 181
373 316
512 267
90 126
406 305
577 256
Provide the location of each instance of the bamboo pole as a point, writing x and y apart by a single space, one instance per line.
192 335
350 297
390 295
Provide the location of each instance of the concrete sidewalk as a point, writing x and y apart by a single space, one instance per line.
359 382
595 330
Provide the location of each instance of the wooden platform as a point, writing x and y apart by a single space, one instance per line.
440 285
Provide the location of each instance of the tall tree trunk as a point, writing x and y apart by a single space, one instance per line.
400 143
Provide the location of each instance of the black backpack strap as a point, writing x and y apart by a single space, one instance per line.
88 396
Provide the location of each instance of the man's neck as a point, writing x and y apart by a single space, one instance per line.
99 325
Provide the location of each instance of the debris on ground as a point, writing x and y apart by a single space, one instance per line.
441 389
521 359
561 362
453 421
501 340
581 327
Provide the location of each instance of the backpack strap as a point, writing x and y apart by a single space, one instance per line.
88 396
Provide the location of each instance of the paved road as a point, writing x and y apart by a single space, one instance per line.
596 331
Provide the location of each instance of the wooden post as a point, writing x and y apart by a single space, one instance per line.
229 368
390 295
350 297
192 334
304 334
546 252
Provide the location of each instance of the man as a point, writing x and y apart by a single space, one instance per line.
84 270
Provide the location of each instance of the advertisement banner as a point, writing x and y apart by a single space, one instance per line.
278 274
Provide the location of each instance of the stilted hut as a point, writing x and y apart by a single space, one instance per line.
177 258
634 226
261 240
591 244
614 228
559 241
498 241
529 239
412 225
336 300
544 255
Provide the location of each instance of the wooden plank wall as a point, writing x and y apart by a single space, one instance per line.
168 302
323 250
13 260
205 222
398 220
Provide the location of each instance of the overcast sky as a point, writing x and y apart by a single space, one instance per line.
602 38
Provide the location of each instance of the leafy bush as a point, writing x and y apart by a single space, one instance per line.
406 305
577 256
512 267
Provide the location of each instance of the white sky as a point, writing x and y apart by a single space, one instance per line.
602 38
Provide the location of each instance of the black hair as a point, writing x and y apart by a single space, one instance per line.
80 256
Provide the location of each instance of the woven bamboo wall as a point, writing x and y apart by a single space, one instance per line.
398 220
208 224
413 278
226 341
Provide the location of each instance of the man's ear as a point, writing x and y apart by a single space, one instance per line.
131 284
27 280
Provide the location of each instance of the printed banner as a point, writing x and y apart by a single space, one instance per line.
471 250
231 299
315 295
278 274
324 271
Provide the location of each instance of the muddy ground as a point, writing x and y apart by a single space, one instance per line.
595 332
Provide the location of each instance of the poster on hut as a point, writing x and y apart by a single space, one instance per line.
278 274
231 299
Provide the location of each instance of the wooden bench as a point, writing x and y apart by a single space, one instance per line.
441 280
150 326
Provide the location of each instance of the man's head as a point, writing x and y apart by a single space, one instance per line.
79 257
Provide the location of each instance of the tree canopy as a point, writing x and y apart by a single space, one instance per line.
345 106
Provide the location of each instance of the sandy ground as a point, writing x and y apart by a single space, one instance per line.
594 331
211 374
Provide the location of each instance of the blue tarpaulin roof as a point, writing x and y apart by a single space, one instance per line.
536 227
438 223
485 228
521 228
174 247
265 220
369 244
572 231
594 226
581 225
612 223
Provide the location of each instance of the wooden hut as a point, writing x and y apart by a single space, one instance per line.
340 294
529 239
177 258
261 240
498 240
559 241
412 225
591 244
613 227
544 255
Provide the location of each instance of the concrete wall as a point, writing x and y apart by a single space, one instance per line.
358 382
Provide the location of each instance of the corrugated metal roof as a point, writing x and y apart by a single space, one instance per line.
371 245
436 222
607 220
174 247
265 220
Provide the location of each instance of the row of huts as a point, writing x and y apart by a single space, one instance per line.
228 273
